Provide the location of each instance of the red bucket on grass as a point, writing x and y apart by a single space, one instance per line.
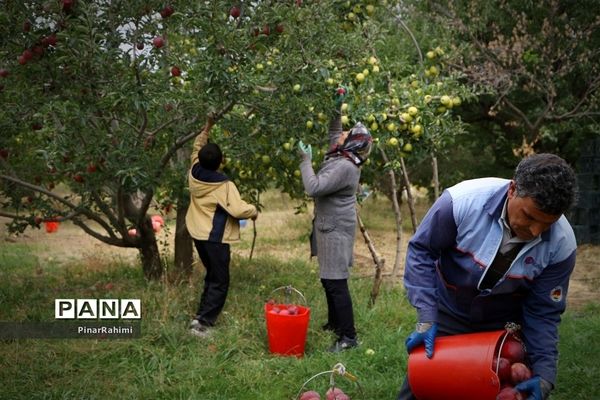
461 367
51 226
287 325
286 332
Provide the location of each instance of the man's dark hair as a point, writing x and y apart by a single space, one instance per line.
549 180
210 156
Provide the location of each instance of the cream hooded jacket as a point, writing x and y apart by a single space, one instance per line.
215 203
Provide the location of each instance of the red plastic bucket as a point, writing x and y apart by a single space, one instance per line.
461 368
51 226
287 333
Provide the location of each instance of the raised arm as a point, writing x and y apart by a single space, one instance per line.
200 141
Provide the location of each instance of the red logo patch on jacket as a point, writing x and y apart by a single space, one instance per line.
556 294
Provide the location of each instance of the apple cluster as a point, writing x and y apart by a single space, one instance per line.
333 393
283 309
511 369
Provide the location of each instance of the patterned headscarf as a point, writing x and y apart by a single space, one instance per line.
357 145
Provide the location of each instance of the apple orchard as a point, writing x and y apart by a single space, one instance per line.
101 101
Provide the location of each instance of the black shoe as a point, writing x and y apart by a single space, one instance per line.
328 327
344 343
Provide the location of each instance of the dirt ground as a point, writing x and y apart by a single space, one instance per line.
71 244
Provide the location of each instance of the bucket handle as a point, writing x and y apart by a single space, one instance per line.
509 329
338 369
288 291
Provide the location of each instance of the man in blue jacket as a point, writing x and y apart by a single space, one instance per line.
492 251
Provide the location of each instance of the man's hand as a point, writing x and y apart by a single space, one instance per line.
425 332
305 150
536 387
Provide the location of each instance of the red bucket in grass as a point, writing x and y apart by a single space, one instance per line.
51 226
461 367
287 332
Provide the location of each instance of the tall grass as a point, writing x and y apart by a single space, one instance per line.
168 363
235 363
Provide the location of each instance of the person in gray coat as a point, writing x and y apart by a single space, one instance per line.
334 188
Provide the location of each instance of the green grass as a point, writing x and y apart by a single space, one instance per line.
168 363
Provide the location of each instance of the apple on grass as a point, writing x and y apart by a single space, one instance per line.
175 71
336 393
310 395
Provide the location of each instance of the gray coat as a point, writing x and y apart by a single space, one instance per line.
334 189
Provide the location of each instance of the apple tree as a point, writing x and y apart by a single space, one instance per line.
102 98
537 63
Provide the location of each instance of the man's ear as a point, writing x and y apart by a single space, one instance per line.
512 189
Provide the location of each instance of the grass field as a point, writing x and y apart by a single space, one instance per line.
168 363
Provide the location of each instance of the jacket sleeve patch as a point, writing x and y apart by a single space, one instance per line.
556 294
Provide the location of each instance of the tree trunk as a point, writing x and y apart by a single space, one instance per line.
409 196
184 246
149 253
377 259
436 179
397 213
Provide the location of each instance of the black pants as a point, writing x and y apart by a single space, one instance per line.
216 258
451 325
340 314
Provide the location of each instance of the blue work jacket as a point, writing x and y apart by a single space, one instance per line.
455 244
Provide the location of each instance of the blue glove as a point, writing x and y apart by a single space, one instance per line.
425 333
536 387
305 150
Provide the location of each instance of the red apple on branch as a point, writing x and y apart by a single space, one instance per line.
175 71
158 42
235 12
67 5
167 11
50 40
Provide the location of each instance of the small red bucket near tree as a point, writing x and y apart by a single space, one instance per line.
474 366
51 226
287 324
